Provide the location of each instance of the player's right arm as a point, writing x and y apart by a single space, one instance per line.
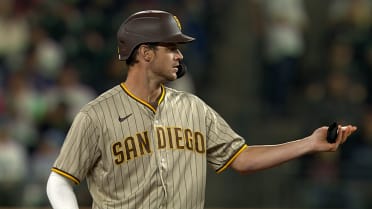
60 192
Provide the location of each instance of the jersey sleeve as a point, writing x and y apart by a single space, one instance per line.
223 143
79 151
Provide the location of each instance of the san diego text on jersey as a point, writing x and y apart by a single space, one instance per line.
165 138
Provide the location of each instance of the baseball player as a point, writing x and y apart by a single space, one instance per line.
144 145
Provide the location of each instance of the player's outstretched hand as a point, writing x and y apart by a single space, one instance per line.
319 138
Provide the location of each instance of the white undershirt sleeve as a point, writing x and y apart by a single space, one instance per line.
60 192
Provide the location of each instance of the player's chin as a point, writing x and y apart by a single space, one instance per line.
169 78
172 76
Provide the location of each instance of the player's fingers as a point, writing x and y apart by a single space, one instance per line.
341 135
339 139
345 132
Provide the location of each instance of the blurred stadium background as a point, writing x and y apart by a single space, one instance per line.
275 69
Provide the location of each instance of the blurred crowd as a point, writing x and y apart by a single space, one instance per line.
56 56
332 82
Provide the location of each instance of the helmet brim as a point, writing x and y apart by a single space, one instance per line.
179 38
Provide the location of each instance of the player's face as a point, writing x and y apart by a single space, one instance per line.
167 58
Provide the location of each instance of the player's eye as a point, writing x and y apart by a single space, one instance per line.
173 48
170 46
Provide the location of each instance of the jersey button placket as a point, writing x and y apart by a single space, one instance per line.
161 164
162 158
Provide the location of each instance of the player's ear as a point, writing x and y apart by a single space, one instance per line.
146 52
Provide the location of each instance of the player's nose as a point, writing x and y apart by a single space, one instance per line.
179 55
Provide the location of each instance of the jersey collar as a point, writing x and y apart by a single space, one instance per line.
142 101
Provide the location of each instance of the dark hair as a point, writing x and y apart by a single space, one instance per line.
132 59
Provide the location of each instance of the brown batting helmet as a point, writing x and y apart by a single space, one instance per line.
150 26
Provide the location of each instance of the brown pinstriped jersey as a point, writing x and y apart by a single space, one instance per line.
136 156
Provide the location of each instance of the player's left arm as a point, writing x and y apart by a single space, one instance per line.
260 157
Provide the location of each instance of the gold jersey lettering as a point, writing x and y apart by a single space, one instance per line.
144 143
169 130
131 147
181 139
178 137
167 138
118 153
199 142
188 139
161 137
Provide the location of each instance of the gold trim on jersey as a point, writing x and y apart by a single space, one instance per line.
142 101
67 175
232 159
